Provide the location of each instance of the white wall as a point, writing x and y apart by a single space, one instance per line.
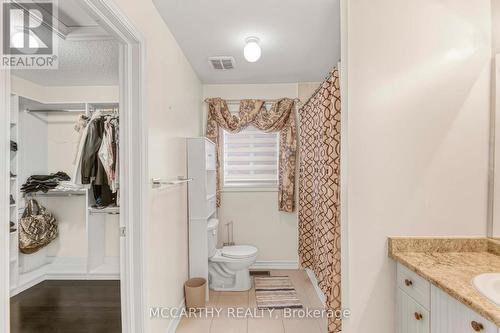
255 214
69 211
494 202
495 22
65 94
418 122
32 158
174 110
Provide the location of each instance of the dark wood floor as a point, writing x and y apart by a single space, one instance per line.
67 307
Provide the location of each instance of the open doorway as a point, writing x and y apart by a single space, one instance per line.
264 195
64 131
91 261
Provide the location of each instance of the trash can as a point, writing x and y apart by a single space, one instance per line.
195 290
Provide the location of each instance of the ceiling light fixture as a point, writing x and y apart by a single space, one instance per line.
252 49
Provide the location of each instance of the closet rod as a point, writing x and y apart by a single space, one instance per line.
54 111
111 107
105 110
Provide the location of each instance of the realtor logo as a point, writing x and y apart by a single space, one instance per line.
29 40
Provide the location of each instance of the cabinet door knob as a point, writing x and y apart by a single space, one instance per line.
478 327
418 316
408 283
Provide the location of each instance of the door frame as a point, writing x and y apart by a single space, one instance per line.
4 195
133 173
344 164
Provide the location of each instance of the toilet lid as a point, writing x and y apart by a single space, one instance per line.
238 251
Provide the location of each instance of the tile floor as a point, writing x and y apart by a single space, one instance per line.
268 324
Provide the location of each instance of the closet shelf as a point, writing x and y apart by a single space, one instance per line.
107 210
56 193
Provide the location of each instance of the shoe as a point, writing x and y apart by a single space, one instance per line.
12 175
13 145
12 201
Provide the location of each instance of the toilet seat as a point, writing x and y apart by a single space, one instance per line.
238 251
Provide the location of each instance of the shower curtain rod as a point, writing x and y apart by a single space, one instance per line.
234 101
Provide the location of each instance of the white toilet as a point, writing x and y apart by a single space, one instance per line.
228 266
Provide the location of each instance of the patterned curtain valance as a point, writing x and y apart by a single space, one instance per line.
279 118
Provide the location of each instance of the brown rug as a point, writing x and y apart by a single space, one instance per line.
275 292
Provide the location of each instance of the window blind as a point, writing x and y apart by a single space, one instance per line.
250 158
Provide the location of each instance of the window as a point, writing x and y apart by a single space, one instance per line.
250 158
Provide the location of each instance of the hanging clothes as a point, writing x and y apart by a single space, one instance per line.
116 152
107 153
97 156
92 169
80 128
77 172
319 192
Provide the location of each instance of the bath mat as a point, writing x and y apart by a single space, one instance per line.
273 283
275 292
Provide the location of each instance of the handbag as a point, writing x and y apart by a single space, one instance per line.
37 228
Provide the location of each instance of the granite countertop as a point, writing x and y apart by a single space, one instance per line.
450 264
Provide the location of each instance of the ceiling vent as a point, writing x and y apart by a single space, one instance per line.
221 63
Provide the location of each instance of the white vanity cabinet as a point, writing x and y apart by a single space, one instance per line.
413 318
451 316
413 302
423 308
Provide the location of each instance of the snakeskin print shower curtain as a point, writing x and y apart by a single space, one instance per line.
319 191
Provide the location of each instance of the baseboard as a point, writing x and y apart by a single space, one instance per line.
76 269
108 270
174 323
69 268
314 282
275 264
29 280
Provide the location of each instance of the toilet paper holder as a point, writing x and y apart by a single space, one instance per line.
230 234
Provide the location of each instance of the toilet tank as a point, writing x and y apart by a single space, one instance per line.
212 236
